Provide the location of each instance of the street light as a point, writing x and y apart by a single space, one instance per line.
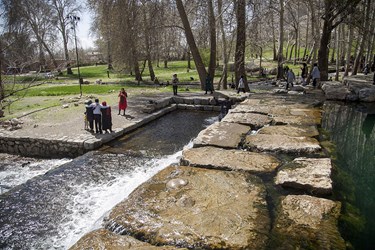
74 21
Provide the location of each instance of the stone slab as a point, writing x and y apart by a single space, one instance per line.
221 134
296 120
310 174
196 208
282 143
217 158
290 130
306 222
105 239
255 121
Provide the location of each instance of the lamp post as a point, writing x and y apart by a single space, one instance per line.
74 21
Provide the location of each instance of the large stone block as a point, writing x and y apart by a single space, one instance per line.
196 208
282 143
306 222
255 121
290 130
310 174
105 239
221 134
217 158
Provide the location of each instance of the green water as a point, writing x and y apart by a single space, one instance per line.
351 128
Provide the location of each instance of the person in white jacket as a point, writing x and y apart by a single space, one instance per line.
241 85
315 75
290 77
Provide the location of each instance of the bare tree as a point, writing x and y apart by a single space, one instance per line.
191 41
240 43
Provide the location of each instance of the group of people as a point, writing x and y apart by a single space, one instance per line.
100 115
315 76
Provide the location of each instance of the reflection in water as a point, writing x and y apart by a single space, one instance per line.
352 130
368 125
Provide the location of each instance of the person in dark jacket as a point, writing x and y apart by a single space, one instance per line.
90 115
208 86
106 117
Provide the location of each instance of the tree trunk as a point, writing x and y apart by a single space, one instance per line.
338 37
188 59
334 47
273 38
212 24
358 58
280 70
224 74
323 49
240 43
307 37
191 41
349 49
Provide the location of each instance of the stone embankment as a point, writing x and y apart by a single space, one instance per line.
240 171
352 89
53 146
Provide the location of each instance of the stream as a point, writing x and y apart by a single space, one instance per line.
351 128
55 206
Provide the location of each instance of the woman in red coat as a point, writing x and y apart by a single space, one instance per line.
123 104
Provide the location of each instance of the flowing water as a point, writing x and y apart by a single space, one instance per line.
53 210
351 128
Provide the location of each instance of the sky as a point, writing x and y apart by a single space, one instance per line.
83 29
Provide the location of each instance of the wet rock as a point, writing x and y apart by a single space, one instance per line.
280 91
282 143
221 134
335 90
216 209
105 239
290 130
217 158
296 120
310 174
306 222
367 95
255 121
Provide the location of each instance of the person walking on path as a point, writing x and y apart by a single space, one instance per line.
290 77
315 74
208 86
174 84
241 85
123 102
90 115
97 116
304 74
106 117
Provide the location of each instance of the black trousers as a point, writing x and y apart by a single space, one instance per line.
174 90
98 123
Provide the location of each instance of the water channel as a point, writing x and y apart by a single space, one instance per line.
351 128
53 205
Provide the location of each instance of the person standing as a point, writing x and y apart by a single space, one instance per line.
90 115
97 116
241 85
304 74
290 77
208 85
315 74
123 102
174 84
106 117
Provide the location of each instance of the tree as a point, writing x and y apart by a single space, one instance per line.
212 25
61 9
280 70
240 43
335 12
191 41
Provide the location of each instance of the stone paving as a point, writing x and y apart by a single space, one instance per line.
214 199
